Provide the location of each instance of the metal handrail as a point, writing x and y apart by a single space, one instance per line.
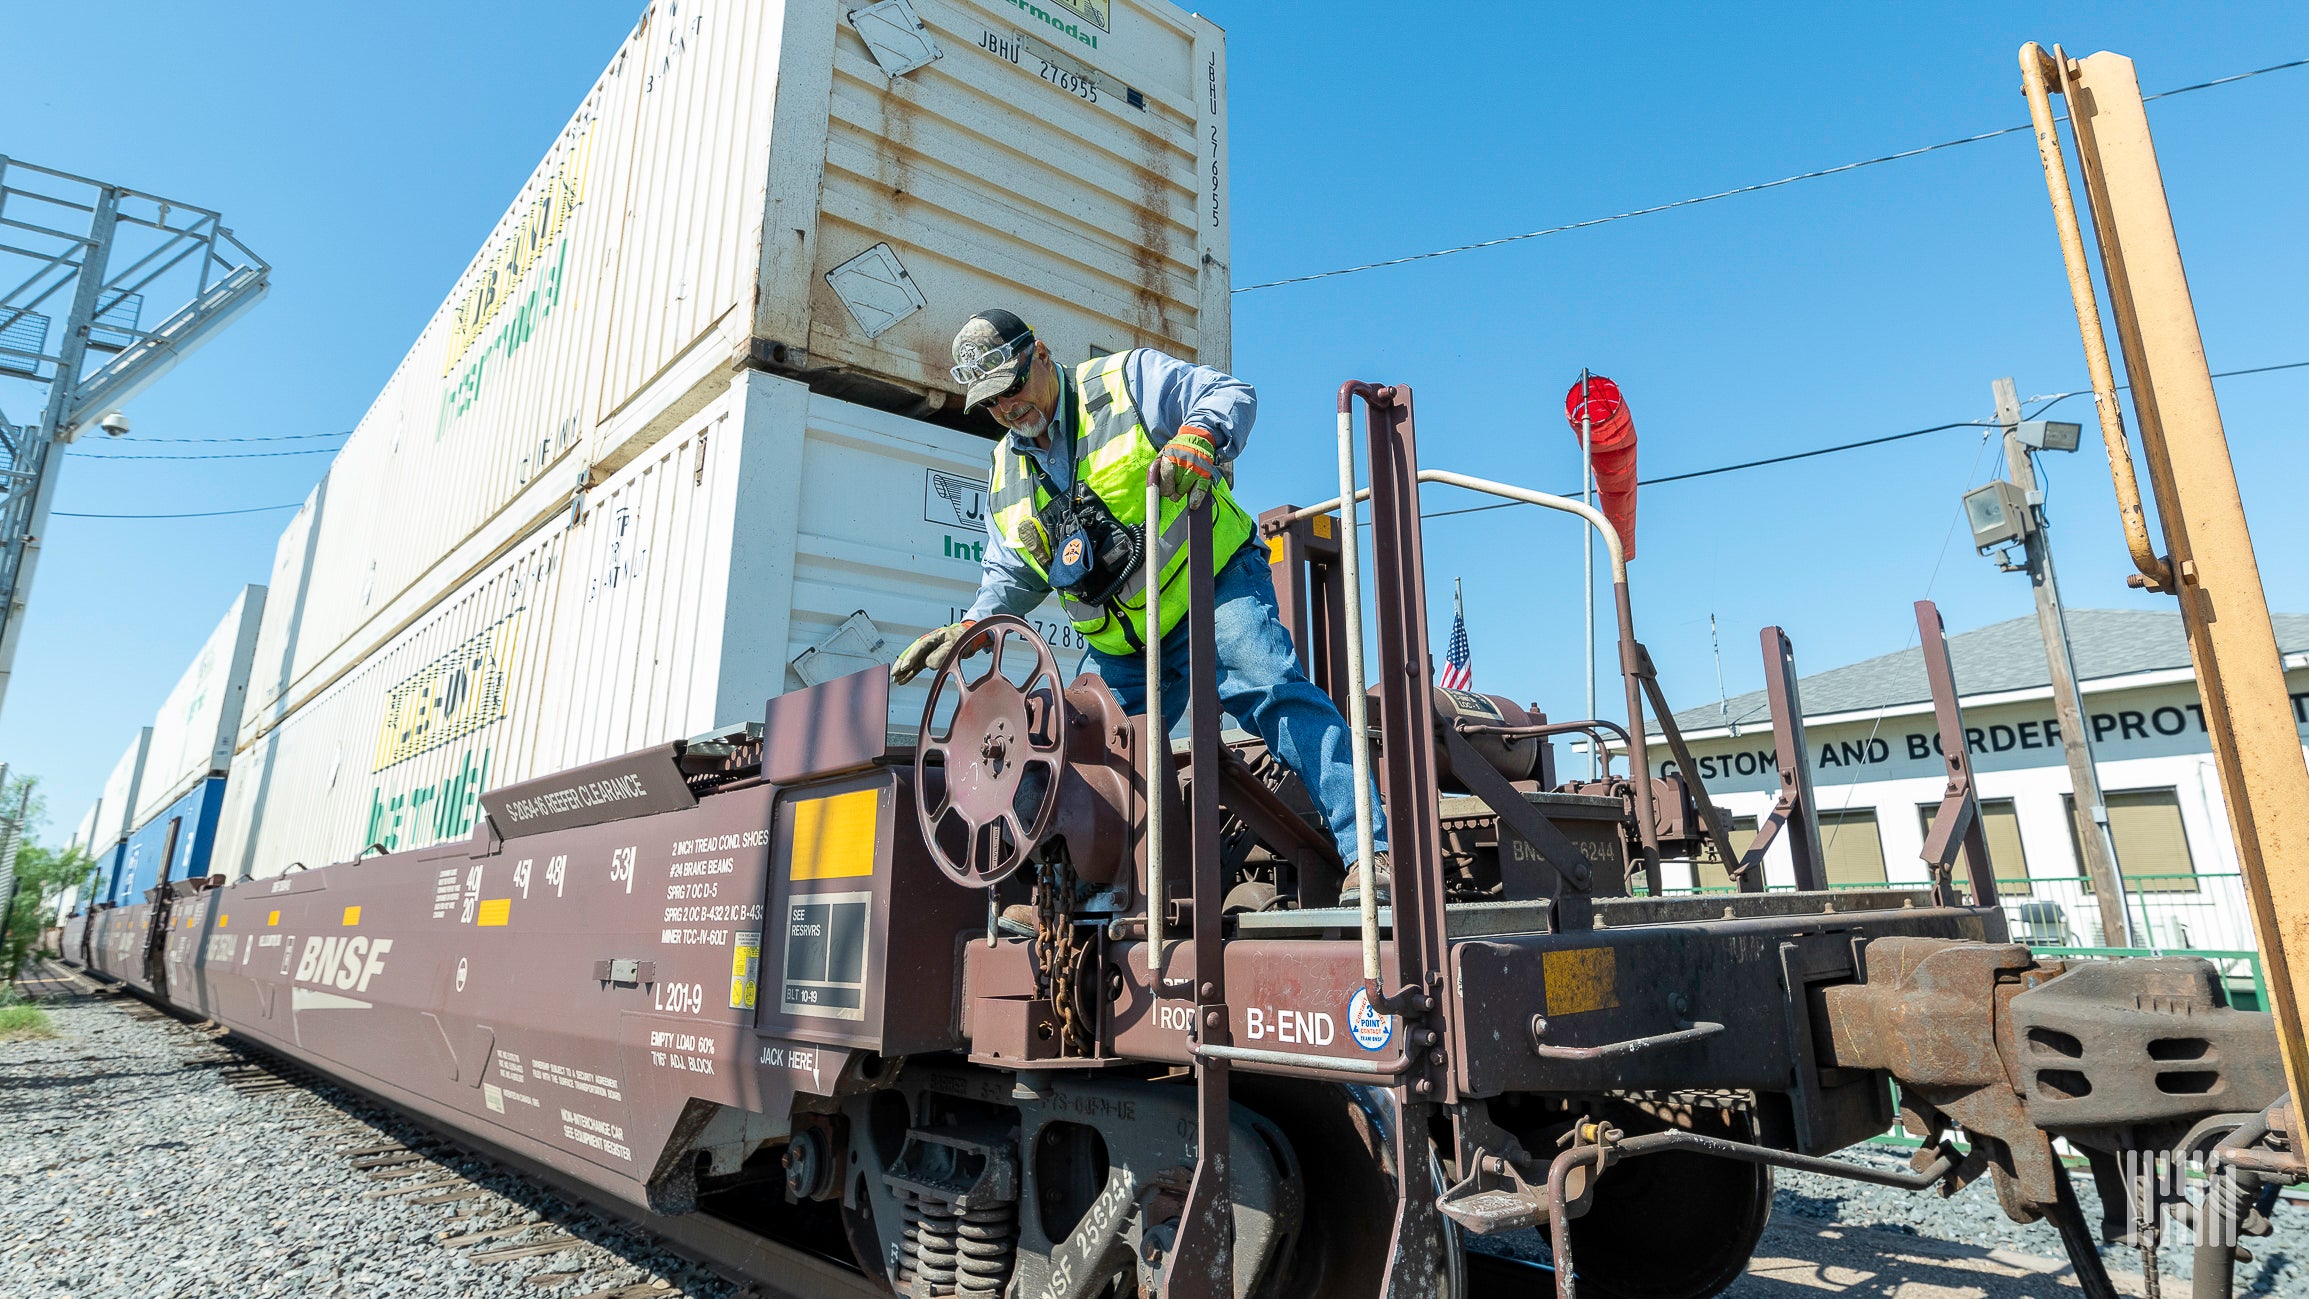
1158 751
1358 704
1639 767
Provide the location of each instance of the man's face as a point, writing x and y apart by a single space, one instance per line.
1030 409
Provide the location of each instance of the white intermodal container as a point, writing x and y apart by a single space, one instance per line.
819 190
273 657
115 808
777 538
194 731
84 834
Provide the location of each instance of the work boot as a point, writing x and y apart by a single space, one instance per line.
1382 876
1021 919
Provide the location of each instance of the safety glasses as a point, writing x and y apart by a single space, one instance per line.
988 360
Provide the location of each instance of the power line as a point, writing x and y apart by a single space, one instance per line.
1735 192
1473 509
2055 398
276 437
86 457
197 514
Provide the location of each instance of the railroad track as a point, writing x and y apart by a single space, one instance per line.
494 1215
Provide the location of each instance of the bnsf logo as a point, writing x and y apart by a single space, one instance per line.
347 963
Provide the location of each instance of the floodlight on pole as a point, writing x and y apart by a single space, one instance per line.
2047 434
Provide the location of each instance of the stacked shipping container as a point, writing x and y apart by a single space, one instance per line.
565 531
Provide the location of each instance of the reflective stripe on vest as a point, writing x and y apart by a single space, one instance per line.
1111 456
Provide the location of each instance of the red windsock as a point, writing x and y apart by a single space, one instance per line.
1612 448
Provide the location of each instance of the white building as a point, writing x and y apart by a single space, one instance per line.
1878 776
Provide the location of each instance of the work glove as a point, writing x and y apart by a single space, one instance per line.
928 652
1189 461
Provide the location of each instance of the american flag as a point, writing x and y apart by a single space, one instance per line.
1457 674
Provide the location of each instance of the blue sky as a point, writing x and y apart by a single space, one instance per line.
367 150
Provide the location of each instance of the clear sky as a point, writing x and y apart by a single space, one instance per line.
367 150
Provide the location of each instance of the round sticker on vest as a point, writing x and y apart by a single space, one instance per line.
1370 1028
1073 553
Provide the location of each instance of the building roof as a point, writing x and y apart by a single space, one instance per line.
2000 657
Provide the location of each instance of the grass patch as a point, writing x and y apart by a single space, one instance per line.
22 1023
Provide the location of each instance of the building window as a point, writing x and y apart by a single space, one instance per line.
1852 846
1709 873
2152 845
2000 824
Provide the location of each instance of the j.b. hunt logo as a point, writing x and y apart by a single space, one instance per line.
1089 8
345 962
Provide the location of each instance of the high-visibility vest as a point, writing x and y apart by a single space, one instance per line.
1111 455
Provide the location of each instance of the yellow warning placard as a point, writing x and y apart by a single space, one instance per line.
745 969
1584 978
273 918
493 911
834 837
352 915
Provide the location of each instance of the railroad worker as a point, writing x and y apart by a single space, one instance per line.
1070 480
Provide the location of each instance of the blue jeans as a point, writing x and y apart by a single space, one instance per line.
1260 683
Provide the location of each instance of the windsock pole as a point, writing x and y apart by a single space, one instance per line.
1587 561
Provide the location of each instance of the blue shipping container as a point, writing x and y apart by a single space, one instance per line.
174 845
107 886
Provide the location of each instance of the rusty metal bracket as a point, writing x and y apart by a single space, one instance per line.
1710 816
1515 815
1956 823
1795 809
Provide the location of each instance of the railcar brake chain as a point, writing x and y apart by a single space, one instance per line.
1057 950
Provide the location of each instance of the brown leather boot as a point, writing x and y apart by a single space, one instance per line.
1382 876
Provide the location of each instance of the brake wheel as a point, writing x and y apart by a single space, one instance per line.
986 783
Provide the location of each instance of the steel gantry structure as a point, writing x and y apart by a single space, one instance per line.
81 264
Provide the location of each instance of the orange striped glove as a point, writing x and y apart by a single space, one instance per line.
1189 462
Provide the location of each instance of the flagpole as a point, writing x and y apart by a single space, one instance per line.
1587 560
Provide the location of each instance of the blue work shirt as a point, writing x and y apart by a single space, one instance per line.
1168 393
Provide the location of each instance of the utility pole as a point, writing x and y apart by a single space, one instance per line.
2092 813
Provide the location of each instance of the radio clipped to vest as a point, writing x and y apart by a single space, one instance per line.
1093 557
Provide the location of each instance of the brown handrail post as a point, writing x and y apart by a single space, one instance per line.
1956 822
1201 1262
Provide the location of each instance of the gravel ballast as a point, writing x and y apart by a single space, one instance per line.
134 1166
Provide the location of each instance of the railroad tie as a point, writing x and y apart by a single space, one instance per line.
490 1234
452 1197
413 1188
644 1290
553 1246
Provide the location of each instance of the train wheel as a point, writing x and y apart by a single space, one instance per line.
1342 1143
1713 1208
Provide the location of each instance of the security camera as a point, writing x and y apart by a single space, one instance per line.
114 424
